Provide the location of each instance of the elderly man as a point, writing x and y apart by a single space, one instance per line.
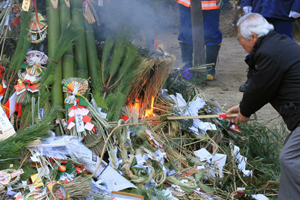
280 13
276 80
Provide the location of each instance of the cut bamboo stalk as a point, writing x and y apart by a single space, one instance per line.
67 60
193 117
53 37
92 58
80 44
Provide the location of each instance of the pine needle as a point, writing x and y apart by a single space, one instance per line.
13 146
23 43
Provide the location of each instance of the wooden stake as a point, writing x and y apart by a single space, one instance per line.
194 117
198 32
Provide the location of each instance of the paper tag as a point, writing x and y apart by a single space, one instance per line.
4 122
72 113
16 173
84 111
71 125
41 113
89 126
79 123
25 5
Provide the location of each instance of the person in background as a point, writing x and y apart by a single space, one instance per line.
212 34
280 13
276 80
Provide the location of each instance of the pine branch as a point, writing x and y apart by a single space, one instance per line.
23 43
116 59
106 52
13 146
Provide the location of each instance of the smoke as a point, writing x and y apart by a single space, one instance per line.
143 16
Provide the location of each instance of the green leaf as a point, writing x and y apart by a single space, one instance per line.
82 102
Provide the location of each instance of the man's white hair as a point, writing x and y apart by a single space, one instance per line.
254 23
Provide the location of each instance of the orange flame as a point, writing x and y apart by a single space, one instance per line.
149 112
136 107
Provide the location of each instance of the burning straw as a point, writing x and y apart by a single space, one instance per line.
151 76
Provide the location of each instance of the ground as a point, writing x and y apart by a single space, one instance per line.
230 69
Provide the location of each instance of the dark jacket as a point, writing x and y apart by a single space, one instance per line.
278 9
276 79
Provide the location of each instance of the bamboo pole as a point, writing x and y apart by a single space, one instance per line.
93 62
193 117
80 44
67 60
53 37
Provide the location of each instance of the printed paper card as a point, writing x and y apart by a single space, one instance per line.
84 111
4 121
6 129
89 126
71 125
79 123
72 113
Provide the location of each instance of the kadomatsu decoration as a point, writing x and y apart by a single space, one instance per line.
37 28
29 75
76 103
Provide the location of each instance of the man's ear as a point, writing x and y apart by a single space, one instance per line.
254 36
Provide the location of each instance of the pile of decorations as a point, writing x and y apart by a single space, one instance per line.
104 126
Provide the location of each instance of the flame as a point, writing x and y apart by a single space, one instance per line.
136 107
149 112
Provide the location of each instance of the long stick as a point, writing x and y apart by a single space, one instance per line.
194 117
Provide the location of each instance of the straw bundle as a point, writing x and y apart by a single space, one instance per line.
151 76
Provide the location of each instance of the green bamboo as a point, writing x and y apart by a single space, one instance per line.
53 37
80 44
67 60
93 62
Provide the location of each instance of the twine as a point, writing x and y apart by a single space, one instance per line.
160 178
16 179
23 80
98 140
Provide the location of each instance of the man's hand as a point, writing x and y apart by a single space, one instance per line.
239 118
294 14
247 9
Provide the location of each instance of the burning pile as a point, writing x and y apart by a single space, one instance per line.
111 126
